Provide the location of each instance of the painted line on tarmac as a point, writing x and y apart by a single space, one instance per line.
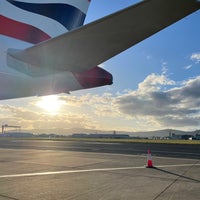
90 170
69 172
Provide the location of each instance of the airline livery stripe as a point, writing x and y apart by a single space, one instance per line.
69 16
46 24
21 31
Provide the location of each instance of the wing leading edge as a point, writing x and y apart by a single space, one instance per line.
92 44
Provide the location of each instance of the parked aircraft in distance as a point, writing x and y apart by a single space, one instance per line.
44 49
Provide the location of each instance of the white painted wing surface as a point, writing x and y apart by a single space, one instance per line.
92 44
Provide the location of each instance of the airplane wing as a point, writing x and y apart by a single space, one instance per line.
92 44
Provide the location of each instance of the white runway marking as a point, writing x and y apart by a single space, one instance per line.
90 170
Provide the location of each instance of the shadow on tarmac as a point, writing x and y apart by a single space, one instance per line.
178 175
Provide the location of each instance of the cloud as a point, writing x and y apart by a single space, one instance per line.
188 67
158 102
98 105
195 57
20 113
176 107
148 57
29 119
154 82
164 68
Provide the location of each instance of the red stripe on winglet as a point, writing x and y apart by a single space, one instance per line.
94 77
21 31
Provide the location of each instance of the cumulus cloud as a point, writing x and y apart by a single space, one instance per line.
177 107
154 82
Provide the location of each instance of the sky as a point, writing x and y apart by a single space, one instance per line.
156 86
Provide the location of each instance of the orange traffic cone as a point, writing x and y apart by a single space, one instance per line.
149 160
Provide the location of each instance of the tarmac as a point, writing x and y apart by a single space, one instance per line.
45 170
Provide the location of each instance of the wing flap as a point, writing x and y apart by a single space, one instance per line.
92 44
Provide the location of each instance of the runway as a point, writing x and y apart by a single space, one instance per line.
172 150
46 170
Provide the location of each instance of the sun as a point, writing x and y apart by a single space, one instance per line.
50 104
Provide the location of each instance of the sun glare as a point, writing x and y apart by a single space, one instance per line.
50 104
